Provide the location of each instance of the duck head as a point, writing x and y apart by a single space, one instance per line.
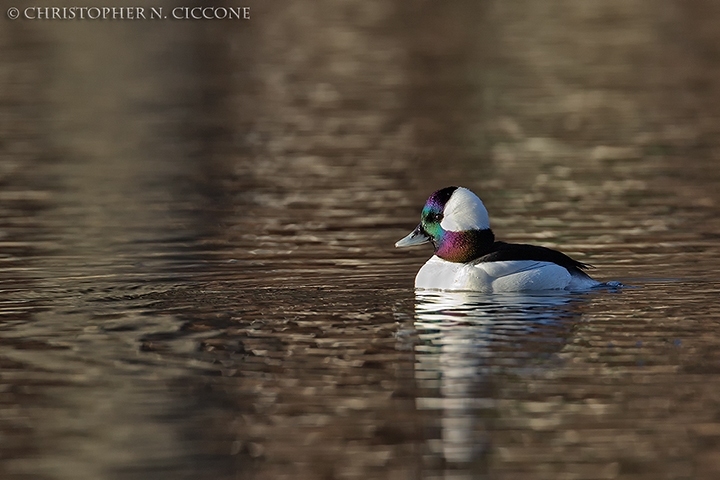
456 222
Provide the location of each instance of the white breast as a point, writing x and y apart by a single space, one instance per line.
505 276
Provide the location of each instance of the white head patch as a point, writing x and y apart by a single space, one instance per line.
464 211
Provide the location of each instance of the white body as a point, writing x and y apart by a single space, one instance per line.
504 276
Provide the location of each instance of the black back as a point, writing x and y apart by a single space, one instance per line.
501 251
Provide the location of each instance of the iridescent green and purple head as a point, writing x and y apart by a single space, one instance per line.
455 220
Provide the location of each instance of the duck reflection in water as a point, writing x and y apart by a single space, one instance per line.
471 346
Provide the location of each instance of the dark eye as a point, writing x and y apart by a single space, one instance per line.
434 217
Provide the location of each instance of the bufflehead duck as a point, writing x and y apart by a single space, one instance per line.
467 257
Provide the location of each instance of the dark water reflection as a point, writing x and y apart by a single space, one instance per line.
196 230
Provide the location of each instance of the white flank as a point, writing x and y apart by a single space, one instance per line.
464 211
493 277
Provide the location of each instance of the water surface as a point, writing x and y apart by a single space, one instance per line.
197 223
